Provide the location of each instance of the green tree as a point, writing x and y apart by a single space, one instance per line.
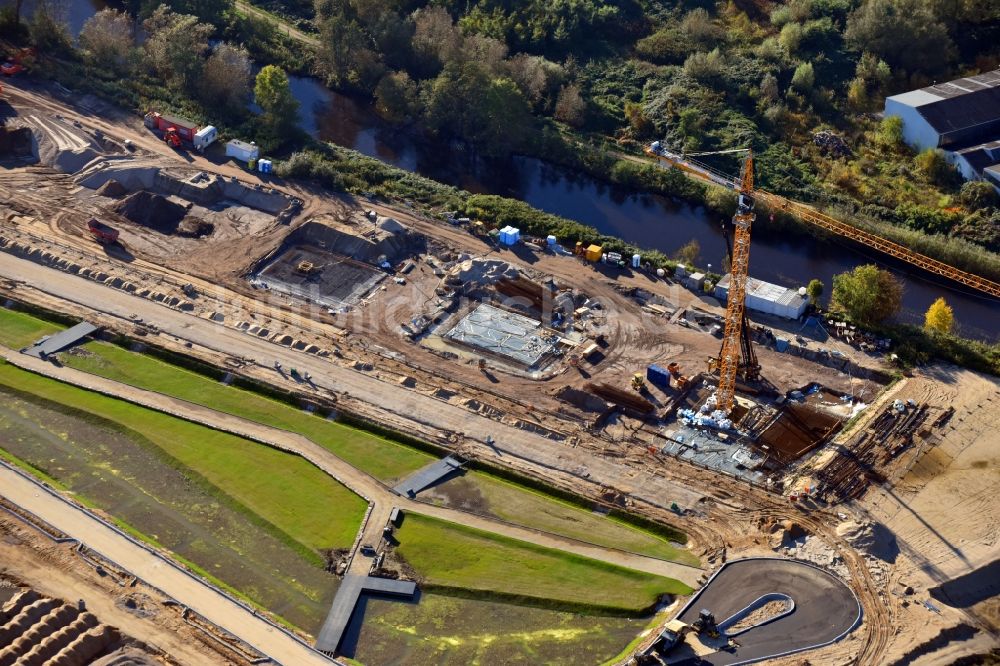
815 290
933 164
906 33
868 294
396 97
890 132
175 45
804 78
274 96
978 194
106 38
211 11
48 28
939 317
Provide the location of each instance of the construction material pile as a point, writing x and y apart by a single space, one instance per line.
15 141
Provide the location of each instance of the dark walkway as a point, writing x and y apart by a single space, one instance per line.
426 477
347 598
61 340
825 608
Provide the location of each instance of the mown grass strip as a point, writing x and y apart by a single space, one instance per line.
283 489
447 555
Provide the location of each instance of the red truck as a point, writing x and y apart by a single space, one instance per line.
104 234
176 130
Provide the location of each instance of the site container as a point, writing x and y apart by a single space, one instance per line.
658 376
594 253
243 151
186 129
204 137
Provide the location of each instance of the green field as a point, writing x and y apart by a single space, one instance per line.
380 457
490 495
285 490
450 555
451 631
18 330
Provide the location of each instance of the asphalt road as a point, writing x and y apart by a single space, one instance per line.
825 607
203 599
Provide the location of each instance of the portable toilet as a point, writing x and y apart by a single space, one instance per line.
550 240
594 253
510 235
636 260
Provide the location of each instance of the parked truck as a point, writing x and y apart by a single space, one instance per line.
104 234
177 131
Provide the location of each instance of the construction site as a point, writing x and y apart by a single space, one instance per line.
756 435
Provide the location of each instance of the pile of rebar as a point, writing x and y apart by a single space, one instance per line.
861 461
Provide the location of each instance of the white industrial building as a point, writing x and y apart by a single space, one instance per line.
767 298
961 117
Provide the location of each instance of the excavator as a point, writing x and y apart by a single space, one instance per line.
171 137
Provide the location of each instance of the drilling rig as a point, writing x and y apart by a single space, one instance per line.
737 357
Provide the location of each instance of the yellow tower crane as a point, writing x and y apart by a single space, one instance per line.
736 345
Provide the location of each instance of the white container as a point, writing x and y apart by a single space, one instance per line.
205 137
242 150
636 261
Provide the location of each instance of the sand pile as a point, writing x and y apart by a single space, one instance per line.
871 538
153 211
482 272
194 227
113 189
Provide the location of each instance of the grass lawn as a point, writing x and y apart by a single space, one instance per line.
18 330
285 490
452 555
489 494
382 458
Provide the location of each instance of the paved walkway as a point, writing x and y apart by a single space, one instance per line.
347 598
157 571
380 495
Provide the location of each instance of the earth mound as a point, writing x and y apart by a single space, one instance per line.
153 211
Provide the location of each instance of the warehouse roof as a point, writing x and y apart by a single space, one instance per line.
957 105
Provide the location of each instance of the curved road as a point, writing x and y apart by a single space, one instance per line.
825 608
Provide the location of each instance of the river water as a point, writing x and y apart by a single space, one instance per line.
651 221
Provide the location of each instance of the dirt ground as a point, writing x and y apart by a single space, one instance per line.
941 513
59 572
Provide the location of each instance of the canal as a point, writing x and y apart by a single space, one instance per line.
650 221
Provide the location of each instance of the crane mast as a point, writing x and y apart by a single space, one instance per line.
735 339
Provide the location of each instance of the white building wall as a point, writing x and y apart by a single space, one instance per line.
917 132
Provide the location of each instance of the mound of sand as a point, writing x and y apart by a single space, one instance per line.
153 211
483 272
113 189
870 538
71 161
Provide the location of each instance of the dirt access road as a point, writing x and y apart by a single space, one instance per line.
147 565
368 487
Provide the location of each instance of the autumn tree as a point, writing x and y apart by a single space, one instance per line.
274 97
570 107
106 38
175 45
396 97
939 317
226 77
868 294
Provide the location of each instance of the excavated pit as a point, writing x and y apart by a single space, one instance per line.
153 211
344 266
15 142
